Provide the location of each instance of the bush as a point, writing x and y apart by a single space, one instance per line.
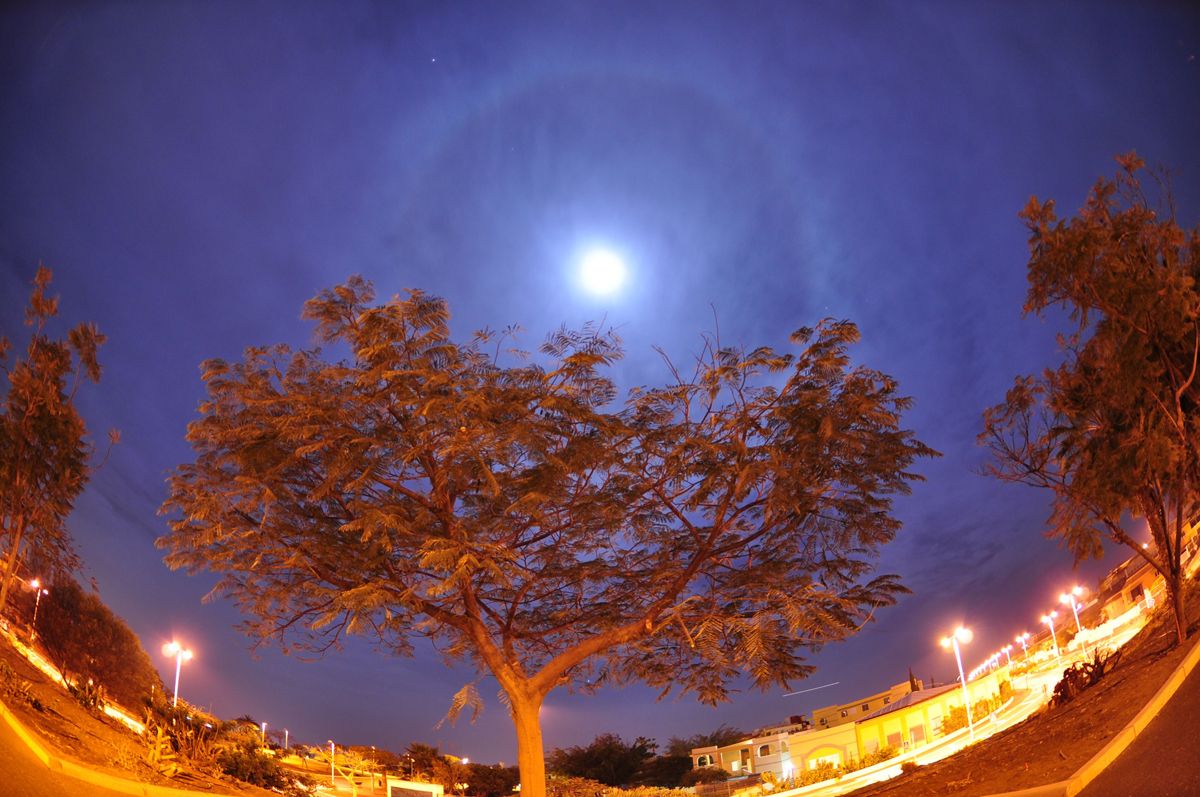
247 763
703 775
871 759
908 767
956 718
1084 674
821 772
568 786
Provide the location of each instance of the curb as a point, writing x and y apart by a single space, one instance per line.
64 766
1109 753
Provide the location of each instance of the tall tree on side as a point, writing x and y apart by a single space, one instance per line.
44 448
522 519
1115 427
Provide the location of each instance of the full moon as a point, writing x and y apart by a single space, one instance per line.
602 271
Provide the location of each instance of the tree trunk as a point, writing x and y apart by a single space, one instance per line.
10 570
1175 594
531 758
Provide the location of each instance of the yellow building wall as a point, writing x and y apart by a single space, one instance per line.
897 728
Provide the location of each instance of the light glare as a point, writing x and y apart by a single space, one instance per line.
602 271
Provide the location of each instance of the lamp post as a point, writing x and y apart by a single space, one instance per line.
331 754
285 740
37 601
264 734
1069 597
1023 637
1048 619
963 635
1005 650
181 655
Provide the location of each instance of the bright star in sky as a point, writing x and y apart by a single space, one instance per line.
602 272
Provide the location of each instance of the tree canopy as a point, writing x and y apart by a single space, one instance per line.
44 449
609 759
85 639
718 737
1114 429
511 509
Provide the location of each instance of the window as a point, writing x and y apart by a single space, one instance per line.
887 700
843 712
764 750
894 740
866 706
783 748
918 734
703 761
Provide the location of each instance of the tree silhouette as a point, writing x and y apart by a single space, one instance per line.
1115 427
44 450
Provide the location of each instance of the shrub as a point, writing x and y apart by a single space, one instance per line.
871 759
568 786
247 763
955 718
1084 674
908 767
703 775
88 693
821 772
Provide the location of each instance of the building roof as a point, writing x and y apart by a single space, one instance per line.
911 699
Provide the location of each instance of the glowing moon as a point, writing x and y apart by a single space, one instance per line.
602 271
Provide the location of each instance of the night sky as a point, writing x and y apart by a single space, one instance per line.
193 172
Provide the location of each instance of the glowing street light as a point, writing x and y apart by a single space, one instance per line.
37 601
1048 619
1006 650
181 655
285 740
1023 637
332 752
964 636
1069 597
264 734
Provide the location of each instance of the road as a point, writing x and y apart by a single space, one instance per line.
1164 760
23 775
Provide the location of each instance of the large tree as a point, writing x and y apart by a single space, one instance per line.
1114 429
44 448
509 509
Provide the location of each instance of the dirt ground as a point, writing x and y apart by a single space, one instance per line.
95 739
1052 744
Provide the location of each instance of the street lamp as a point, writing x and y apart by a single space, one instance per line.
331 754
963 635
264 734
181 655
1048 619
1069 597
1023 637
37 601
1006 650
285 740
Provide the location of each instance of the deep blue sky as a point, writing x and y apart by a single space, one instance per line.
193 172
